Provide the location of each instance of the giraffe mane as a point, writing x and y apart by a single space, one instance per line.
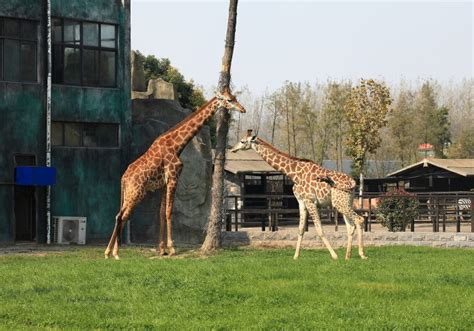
268 145
190 117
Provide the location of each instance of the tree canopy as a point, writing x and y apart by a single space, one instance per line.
366 112
189 95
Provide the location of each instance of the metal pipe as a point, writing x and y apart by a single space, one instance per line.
48 117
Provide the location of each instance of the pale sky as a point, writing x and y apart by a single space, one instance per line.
310 40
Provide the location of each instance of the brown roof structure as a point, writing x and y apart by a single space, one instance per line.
247 161
462 167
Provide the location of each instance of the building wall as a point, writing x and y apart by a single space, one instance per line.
22 116
88 179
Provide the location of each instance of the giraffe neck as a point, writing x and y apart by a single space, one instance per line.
276 158
184 131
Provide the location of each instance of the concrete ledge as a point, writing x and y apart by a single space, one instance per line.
288 238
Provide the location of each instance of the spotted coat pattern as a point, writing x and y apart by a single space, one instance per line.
314 187
159 169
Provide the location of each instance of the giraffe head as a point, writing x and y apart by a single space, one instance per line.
246 142
229 101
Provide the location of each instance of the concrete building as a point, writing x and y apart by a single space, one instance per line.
91 117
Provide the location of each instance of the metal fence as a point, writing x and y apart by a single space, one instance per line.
437 211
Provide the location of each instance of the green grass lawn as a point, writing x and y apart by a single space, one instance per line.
397 288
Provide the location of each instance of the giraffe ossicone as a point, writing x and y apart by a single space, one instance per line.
313 187
159 169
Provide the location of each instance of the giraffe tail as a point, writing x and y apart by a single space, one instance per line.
328 180
122 188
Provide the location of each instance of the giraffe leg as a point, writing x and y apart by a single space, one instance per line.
170 190
303 220
342 201
350 232
359 220
114 235
118 239
313 211
120 223
162 223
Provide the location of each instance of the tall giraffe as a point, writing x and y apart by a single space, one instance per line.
159 168
313 187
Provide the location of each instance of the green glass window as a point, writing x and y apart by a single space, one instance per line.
18 50
91 34
72 65
84 53
91 135
72 134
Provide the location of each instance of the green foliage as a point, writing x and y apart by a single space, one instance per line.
397 288
336 97
463 147
433 124
402 128
366 112
396 209
189 95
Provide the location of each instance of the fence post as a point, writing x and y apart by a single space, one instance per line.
269 208
369 215
236 207
472 213
458 216
445 207
336 219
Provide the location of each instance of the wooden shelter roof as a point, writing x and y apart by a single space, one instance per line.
247 161
462 167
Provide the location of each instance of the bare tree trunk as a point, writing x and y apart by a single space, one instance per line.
213 236
361 188
273 125
293 129
287 121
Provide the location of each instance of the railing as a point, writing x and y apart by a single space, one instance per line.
438 210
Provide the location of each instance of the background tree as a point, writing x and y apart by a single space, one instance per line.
402 128
311 126
274 103
213 236
366 112
189 95
336 97
463 146
433 123
458 98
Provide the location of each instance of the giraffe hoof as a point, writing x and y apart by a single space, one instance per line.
116 257
106 256
334 257
171 251
296 257
363 257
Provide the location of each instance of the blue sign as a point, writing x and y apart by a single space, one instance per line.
35 176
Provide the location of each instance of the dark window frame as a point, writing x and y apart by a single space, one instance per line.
21 40
83 126
82 47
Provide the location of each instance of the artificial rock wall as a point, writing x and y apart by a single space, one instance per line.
155 111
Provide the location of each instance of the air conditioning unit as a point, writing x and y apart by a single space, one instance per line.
69 230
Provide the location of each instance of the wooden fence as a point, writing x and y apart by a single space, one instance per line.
437 211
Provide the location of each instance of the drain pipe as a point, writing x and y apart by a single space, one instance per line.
48 117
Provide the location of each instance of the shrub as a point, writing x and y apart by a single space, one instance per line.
396 209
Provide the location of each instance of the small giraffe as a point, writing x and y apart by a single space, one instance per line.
159 168
313 187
